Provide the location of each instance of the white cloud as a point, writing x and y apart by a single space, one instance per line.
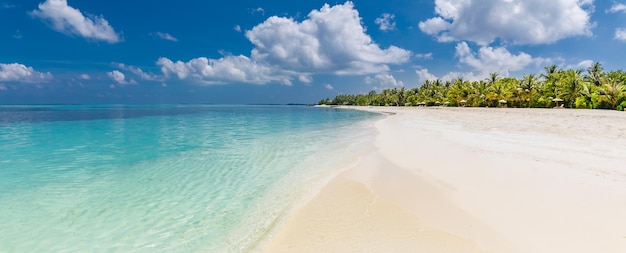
499 60
120 78
428 56
469 76
617 7
385 22
383 80
434 26
620 34
15 72
581 65
329 87
140 73
237 28
85 77
216 71
305 79
166 36
425 75
68 20
513 21
330 41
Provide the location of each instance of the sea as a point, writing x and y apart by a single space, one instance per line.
165 178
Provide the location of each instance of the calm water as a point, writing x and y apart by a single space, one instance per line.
163 178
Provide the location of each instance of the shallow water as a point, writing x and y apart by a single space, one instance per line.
163 178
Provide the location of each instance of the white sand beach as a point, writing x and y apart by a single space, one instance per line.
474 180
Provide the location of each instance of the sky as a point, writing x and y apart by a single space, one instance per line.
276 52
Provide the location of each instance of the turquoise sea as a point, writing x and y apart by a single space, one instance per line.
164 178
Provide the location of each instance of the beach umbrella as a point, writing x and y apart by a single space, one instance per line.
557 100
502 102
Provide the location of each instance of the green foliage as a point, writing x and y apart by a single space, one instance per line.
581 103
362 100
578 89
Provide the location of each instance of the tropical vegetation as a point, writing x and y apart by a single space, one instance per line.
592 88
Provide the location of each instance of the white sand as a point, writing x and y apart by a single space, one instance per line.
474 180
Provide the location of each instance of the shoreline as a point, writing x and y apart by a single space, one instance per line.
451 179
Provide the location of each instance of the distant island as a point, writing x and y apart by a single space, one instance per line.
562 88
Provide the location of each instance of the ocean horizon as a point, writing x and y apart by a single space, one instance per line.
164 178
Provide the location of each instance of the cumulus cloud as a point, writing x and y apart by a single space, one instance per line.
329 87
469 76
166 36
120 78
428 56
513 21
485 61
386 22
3 87
329 41
140 73
617 7
424 75
218 71
237 28
85 77
15 72
620 34
305 78
499 60
383 80
68 20
585 64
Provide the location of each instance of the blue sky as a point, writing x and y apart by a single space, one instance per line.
140 51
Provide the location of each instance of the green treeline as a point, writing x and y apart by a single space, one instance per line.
592 89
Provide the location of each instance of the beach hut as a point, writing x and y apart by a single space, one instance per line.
557 101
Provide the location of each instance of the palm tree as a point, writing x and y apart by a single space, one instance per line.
550 78
478 93
529 86
594 89
613 89
571 86
493 78
460 90
501 90
594 74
